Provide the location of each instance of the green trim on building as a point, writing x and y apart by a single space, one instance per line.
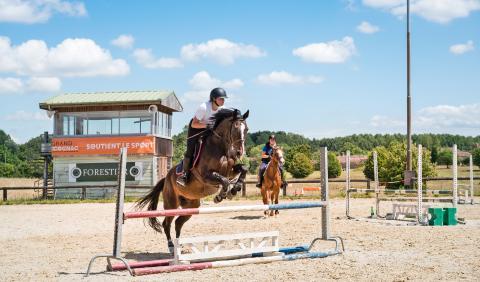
113 98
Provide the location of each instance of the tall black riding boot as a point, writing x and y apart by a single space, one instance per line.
260 178
185 177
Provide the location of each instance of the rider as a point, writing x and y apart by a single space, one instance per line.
197 125
266 157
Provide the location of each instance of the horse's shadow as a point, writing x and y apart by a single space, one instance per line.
247 217
146 256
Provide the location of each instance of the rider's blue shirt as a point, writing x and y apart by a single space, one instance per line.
268 151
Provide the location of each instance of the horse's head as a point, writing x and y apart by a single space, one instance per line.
277 154
231 126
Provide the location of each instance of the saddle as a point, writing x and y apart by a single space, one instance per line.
197 153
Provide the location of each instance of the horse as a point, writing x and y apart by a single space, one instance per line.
214 171
272 180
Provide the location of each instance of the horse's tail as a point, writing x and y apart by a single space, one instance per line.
151 199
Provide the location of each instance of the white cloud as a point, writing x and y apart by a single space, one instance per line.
384 121
10 85
462 119
202 83
72 58
27 116
459 49
283 77
447 116
37 11
439 11
145 58
220 50
368 28
44 84
327 52
124 41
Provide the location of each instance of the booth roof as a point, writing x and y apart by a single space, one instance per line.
165 98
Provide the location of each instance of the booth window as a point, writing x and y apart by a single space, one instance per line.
114 123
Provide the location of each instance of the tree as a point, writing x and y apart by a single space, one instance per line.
445 157
354 149
179 145
7 170
434 155
290 153
476 157
391 164
300 166
254 155
334 166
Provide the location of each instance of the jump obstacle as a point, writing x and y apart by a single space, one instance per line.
410 209
255 248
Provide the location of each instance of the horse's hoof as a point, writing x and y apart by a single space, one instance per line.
171 247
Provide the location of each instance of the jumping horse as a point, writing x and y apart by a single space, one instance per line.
222 145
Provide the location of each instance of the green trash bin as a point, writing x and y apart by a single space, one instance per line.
436 216
450 216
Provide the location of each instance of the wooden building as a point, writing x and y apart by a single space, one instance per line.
90 128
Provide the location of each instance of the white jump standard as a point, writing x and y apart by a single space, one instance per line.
211 251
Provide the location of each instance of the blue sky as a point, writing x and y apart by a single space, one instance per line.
317 68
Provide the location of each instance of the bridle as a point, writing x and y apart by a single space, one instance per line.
231 142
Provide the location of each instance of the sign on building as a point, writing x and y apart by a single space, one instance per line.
93 172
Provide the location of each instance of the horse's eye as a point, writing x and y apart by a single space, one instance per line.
237 124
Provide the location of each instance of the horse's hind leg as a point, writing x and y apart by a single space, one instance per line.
184 218
170 201
167 224
186 204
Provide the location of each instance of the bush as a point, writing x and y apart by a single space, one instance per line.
334 166
476 157
391 164
445 158
7 170
253 168
300 166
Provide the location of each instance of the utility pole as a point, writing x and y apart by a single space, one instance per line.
408 172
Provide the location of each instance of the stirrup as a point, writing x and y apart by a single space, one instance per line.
182 179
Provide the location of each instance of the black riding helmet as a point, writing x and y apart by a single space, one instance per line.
217 93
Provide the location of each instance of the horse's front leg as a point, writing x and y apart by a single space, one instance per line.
225 183
242 169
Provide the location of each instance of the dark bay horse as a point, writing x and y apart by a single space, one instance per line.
215 172
272 180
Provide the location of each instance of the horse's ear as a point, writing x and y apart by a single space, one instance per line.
245 115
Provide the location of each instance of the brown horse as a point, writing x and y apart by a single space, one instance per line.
272 179
216 171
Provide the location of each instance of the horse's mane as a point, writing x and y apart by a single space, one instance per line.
223 114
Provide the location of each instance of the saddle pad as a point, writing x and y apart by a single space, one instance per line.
179 168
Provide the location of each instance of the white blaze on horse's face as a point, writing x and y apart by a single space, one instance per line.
242 135
280 157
